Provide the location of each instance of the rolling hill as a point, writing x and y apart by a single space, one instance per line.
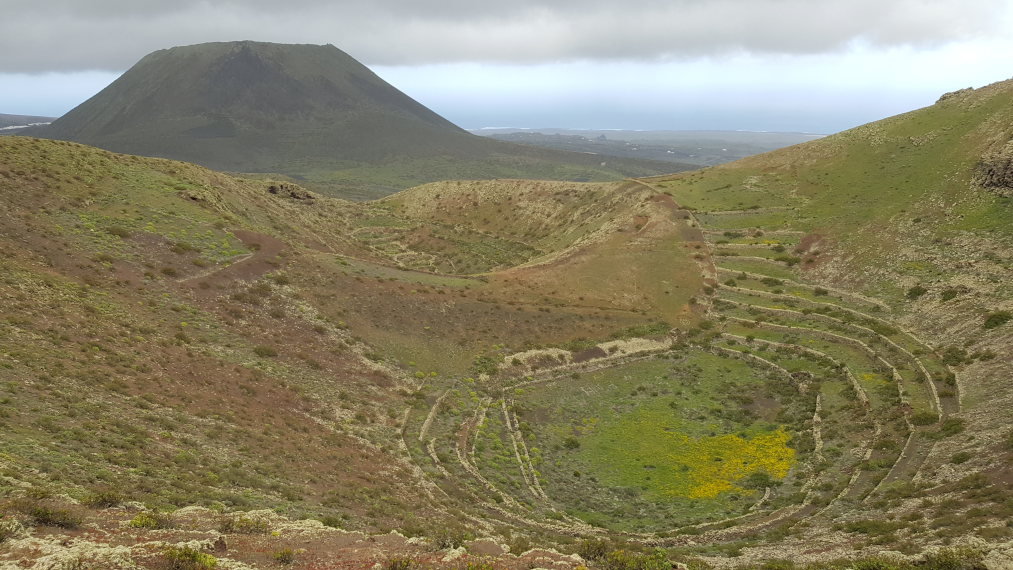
308 112
797 360
10 123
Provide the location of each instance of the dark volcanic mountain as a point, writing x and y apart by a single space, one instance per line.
307 111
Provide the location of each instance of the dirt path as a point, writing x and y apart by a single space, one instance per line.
262 260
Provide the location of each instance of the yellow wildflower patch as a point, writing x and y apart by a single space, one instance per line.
716 463
645 450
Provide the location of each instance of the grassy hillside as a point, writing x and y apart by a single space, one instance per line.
904 229
176 336
796 360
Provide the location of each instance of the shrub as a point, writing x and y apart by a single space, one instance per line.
118 231
265 351
758 480
401 563
179 248
916 292
46 511
960 457
949 428
873 526
152 519
627 560
242 525
997 319
186 558
948 294
820 292
103 499
924 418
285 556
954 356
958 558
449 537
594 549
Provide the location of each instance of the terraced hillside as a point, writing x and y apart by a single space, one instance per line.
799 358
838 290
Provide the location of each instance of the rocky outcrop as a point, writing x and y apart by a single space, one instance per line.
995 171
955 94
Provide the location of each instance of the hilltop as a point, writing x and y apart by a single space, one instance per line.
797 360
308 112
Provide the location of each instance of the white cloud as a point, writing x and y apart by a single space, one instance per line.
64 35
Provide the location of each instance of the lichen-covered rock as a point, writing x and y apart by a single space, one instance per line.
454 554
55 554
1000 558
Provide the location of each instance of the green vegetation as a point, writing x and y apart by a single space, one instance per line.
539 363
187 558
997 319
152 519
284 556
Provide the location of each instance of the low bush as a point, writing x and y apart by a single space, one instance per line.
873 526
152 519
186 558
285 556
401 563
44 510
997 319
594 549
265 351
118 231
103 499
240 524
957 558
628 560
949 428
960 457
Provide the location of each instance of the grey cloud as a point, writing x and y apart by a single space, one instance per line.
67 35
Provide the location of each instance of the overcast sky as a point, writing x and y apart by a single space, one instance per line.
800 65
